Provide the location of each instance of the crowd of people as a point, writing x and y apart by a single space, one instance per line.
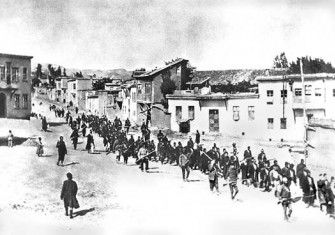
257 171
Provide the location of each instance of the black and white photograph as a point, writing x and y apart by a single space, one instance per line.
155 117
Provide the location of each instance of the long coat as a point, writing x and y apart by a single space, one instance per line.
308 187
61 148
69 193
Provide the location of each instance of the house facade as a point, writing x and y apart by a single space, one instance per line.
149 96
15 86
275 113
213 113
129 105
75 91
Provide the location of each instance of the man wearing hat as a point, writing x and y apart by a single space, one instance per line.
68 195
308 188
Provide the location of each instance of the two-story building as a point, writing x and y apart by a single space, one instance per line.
15 86
150 107
275 113
76 91
129 105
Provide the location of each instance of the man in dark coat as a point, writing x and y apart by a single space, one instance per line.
197 137
299 172
308 188
68 195
61 150
247 153
44 124
90 141
74 136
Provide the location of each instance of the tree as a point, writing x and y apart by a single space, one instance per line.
58 72
311 65
280 61
38 71
78 75
100 84
64 72
168 86
35 81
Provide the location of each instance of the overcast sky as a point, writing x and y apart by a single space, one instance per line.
212 34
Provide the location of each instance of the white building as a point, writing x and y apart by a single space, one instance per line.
76 91
129 102
232 114
275 113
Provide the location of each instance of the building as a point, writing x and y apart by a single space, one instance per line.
231 114
275 113
150 107
129 104
76 91
15 86
61 89
281 103
102 102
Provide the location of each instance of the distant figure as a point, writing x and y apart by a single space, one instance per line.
68 195
10 139
44 124
90 142
83 129
127 125
197 137
39 150
61 151
74 136
77 110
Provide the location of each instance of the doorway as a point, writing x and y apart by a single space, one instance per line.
214 120
2 105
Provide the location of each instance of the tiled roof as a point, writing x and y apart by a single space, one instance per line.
155 71
218 77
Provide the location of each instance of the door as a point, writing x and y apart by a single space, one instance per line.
214 120
2 105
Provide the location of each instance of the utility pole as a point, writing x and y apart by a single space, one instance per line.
304 109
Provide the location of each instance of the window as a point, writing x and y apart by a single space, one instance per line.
269 102
133 97
270 123
139 89
308 89
74 86
147 88
283 93
251 113
178 113
2 73
191 112
25 101
283 123
24 74
236 113
16 101
15 74
334 92
298 92
269 93
317 91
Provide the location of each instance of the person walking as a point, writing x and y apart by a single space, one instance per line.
39 150
68 195
286 199
10 139
74 137
197 138
232 179
183 163
90 142
61 151
44 124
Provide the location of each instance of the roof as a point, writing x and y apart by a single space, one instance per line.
159 70
223 77
314 76
16 56
190 95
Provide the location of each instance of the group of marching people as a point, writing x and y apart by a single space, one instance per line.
257 171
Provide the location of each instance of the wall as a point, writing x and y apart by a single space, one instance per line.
24 87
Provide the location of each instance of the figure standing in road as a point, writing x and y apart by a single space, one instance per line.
61 151
68 195
10 139
74 136
39 150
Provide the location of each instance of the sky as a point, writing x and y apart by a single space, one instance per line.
130 34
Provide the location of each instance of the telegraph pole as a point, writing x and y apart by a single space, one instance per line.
304 109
